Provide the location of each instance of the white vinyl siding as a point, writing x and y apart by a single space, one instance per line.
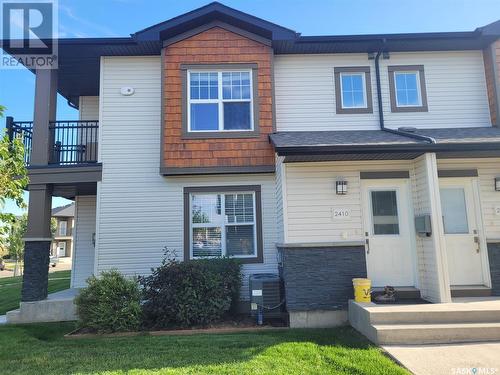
89 108
431 268
134 199
455 83
310 198
85 227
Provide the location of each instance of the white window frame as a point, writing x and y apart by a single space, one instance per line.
419 89
65 228
220 101
365 99
222 224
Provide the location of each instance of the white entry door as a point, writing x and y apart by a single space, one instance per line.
390 240
61 249
462 231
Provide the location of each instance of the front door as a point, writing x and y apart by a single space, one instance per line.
61 249
389 237
461 231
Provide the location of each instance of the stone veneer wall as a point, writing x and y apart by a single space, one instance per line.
320 278
494 258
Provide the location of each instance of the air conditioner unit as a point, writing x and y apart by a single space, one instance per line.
265 296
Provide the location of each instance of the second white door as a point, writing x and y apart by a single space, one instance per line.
462 231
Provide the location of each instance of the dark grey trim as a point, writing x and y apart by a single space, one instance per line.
423 90
383 175
273 93
255 133
180 171
496 82
368 89
223 189
373 148
162 108
65 175
458 173
211 25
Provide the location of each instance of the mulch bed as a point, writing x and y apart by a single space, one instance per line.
228 326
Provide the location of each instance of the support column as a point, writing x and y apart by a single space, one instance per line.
431 251
45 111
37 244
38 236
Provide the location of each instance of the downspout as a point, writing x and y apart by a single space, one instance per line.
381 111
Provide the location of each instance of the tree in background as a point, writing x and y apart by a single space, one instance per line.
13 179
15 240
17 230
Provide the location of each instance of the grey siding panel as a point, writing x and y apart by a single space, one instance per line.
494 258
321 278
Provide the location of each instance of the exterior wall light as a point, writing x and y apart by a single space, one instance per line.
341 187
497 183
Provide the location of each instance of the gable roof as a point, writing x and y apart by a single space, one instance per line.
211 12
64 211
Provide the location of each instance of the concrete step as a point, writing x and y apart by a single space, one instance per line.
434 316
49 310
435 333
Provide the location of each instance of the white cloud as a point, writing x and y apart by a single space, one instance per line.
78 22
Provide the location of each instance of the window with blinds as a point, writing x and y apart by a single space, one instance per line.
223 225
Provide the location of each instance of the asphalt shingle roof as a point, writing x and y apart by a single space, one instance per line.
382 138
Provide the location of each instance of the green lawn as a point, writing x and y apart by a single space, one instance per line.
41 349
10 289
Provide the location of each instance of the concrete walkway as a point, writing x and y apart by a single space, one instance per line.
453 359
3 319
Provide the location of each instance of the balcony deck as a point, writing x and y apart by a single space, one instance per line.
73 167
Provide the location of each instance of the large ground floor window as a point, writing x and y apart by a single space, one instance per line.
223 221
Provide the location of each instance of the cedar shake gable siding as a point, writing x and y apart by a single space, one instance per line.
216 46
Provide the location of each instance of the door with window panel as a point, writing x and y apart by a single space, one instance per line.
223 224
389 238
462 232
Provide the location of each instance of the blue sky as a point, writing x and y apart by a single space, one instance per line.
113 18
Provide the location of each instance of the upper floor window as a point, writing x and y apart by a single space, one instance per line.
223 222
407 88
220 101
63 228
353 90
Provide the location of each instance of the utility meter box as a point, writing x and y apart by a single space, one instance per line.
423 225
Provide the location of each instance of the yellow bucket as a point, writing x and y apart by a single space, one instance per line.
362 290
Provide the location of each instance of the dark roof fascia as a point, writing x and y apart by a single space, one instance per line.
396 148
210 12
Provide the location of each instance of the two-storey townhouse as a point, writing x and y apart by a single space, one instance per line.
323 158
62 243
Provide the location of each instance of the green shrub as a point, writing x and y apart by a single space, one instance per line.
109 303
196 292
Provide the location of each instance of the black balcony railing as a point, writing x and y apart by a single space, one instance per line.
22 130
73 142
